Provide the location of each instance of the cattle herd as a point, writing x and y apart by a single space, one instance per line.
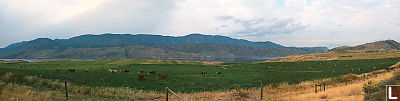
141 75
115 71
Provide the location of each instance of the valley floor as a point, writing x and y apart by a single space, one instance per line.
300 92
304 91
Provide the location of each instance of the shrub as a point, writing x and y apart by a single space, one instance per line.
351 77
241 94
370 87
31 80
18 77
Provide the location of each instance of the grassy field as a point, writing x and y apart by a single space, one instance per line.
186 77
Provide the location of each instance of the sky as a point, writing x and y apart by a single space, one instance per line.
301 23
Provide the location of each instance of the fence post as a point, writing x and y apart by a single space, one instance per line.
262 86
66 90
166 93
315 88
320 87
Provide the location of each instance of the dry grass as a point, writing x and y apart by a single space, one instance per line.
335 56
212 62
14 93
350 92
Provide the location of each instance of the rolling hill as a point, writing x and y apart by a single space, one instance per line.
379 46
144 46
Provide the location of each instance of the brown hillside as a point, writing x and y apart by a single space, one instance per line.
379 46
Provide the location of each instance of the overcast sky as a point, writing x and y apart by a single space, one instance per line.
299 23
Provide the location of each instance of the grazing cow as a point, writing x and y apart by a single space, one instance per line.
141 76
204 73
112 71
152 72
127 70
140 72
359 69
163 75
219 72
58 69
85 70
71 70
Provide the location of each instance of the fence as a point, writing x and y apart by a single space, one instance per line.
167 90
319 85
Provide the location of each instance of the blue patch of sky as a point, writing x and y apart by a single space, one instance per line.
309 2
373 4
280 3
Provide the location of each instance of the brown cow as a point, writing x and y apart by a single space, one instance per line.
219 72
58 69
163 75
85 70
126 70
152 72
71 70
141 76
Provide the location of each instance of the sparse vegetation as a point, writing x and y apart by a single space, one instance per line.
336 56
375 91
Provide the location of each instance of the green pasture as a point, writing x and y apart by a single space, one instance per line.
185 76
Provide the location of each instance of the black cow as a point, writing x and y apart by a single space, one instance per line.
71 70
152 72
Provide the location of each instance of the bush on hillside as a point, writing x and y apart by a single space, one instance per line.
351 77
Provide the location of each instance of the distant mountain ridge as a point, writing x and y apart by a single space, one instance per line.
378 46
149 46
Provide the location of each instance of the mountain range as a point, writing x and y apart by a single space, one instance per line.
378 46
108 45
